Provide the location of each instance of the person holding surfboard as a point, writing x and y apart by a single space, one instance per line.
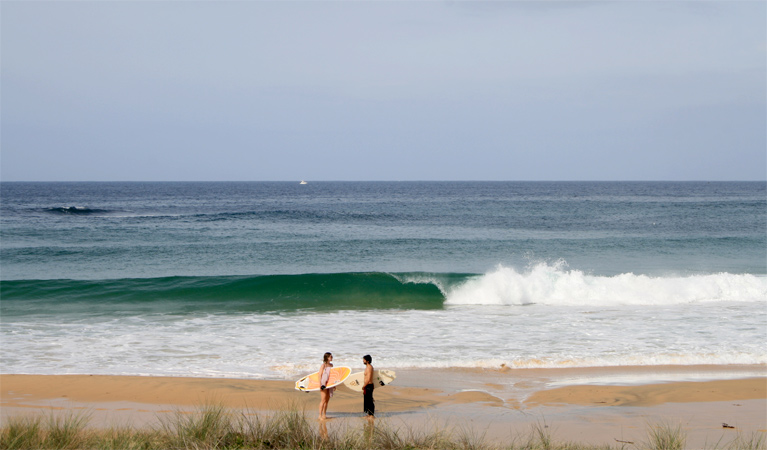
325 393
369 406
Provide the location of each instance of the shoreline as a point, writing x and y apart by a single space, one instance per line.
594 405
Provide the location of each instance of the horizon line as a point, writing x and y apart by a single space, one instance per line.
394 181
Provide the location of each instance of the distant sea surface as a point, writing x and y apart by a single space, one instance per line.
259 279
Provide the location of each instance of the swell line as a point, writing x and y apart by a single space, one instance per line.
320 292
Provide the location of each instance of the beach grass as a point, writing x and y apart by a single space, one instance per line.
665 436
213 427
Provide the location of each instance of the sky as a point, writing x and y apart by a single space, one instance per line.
383 90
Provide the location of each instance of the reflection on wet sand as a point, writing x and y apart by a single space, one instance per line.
323 429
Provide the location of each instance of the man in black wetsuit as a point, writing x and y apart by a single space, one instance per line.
367 387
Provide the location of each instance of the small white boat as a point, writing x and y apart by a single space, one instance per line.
302 182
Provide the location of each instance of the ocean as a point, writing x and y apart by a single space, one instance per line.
259 279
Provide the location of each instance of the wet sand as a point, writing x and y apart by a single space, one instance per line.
595 405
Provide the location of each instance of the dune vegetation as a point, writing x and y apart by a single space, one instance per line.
214 427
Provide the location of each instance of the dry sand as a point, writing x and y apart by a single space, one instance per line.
598 405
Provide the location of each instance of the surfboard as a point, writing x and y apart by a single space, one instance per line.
354 381
311 382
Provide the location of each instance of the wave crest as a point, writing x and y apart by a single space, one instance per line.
76 210
555 284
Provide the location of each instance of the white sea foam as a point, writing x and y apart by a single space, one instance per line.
479 336
555 284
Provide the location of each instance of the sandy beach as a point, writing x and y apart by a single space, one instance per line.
596 405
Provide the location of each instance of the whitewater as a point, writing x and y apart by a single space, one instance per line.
556 285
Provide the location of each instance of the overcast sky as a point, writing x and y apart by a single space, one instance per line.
383 90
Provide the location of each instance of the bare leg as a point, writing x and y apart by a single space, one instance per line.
324 399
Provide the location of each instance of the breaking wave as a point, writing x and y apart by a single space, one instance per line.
555 284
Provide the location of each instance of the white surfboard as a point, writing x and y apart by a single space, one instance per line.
380 378
311 382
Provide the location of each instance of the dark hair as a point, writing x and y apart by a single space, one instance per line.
326 356
368 359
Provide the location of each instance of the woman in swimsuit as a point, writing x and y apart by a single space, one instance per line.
325 393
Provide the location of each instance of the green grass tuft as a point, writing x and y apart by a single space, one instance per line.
22 433
665 436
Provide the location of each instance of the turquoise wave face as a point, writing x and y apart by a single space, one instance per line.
319 292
